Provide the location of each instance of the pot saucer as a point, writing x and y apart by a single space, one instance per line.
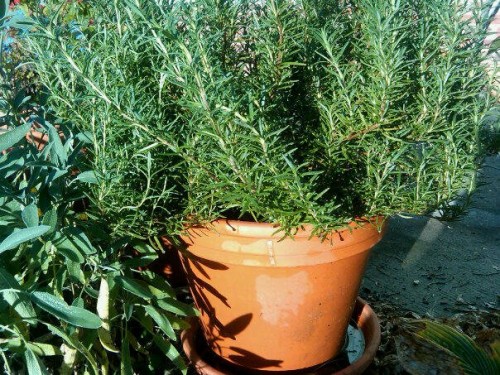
363 339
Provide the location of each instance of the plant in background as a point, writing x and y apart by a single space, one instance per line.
69 293
136 184
428 347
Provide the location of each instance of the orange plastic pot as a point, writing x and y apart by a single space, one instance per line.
272 303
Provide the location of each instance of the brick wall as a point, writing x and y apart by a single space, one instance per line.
495 25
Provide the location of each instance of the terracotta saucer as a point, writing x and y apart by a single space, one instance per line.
362 344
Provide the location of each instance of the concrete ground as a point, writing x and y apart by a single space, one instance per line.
440 268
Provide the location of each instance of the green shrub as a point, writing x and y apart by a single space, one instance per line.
281 111
72 296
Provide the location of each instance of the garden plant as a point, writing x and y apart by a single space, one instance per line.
72 298
287 112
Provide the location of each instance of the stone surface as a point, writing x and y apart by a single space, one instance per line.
439 268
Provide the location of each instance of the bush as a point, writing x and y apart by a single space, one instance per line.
283 111
70 288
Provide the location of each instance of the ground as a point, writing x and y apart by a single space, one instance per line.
429 268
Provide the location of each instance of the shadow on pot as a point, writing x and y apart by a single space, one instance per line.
168 264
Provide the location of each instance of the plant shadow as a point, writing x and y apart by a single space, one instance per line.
216 332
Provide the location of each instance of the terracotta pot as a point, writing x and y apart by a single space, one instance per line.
364 318
275 303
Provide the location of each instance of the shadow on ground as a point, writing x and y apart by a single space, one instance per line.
441 268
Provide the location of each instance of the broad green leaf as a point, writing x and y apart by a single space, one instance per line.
80 240
87 177
13 343
171 352
18 301
71 314
33 363
160 293
50 219
10 138
75 343
159 283
22 235
12 162
128 309
142 261
78 302
59 281
4 8
43 349
55 174
68 249
84 137
126 363
177 323
20 99
162 322
177 307
135 287
106 340
30 215
57 147
144 248
75 271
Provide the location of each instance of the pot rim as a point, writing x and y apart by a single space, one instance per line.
261 244
242 228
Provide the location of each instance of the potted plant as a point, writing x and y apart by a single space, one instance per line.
289 130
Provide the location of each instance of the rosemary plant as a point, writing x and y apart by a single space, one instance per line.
283 111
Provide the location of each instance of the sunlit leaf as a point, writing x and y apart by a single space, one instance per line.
50 218
171 352
33 363
10 138
60 309
75 343
162 321
43 349
135 287
30 215
125 363
18 301
87 177
22 235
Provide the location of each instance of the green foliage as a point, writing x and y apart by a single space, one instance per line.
430 347
52 266
68 284
281 111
